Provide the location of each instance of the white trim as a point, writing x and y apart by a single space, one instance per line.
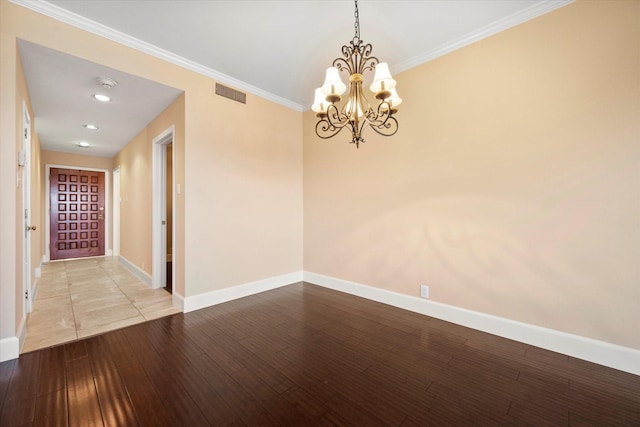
140 273
101 30
115 241
177 300
600 352
36 284
538 9
27 292
34 290
22 332
78 21
9 348
208 299
159 207
47 222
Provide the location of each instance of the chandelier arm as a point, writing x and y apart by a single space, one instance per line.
387 128
343 64
380 116
367 62
336 118
325 130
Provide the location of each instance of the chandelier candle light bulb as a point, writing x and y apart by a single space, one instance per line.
356 113
320 103
333 86
382 81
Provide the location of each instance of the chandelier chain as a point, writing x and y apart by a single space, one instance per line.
357 23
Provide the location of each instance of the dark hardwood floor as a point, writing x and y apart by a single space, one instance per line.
304 355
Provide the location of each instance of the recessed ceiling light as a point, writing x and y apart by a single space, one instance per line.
102 98
91 127
83 144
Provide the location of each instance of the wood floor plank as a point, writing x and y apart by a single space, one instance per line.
84 406
149 408
20 401
309 356
165 381
52 370
51 409
116 407
6 372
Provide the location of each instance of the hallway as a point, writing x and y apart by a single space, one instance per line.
80 298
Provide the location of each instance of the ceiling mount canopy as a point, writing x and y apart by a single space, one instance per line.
356 113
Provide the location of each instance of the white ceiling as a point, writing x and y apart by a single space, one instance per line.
61 88
278 49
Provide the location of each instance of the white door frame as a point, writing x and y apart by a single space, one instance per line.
107 206
116 211
25 161
159 207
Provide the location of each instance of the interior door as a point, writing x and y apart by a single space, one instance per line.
77 213
25 161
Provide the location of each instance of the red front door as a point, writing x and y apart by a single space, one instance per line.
77 213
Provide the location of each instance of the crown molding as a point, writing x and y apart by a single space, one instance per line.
517 18
78 21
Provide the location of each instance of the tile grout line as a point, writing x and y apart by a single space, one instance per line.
73 312
104 266
123 293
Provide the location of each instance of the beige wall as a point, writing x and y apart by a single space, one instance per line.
174 115
13 94
241 165
243 192
72 160
512 186
169 197
8 168
134 162
22 96
136 173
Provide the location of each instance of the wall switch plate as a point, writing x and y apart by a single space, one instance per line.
424 291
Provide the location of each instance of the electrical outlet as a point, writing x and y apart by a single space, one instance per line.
424 291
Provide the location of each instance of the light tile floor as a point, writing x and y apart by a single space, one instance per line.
80 298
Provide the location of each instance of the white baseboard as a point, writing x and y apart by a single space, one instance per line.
9 348
600 352
34 291
38 273
177 301
22 332
140 273
108 252
208 299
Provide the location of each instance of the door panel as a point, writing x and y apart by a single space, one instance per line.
77 213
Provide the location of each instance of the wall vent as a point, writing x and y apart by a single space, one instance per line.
227 92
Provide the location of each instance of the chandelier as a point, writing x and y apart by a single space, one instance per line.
356 113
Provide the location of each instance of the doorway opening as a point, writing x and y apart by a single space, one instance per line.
25 162
86 211
163 239
116 213
77 213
